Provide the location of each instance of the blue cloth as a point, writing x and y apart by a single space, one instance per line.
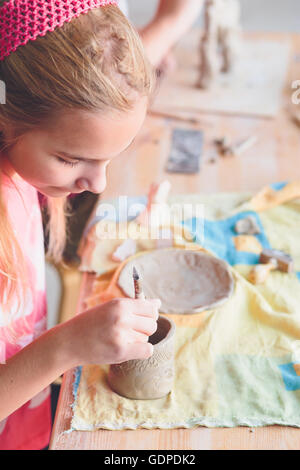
290 378
218 237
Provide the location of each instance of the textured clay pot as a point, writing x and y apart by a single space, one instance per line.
149 378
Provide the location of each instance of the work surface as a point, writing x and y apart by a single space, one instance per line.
275 157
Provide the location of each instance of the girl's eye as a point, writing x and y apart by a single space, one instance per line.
65 162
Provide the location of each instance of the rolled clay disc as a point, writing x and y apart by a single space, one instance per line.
185 281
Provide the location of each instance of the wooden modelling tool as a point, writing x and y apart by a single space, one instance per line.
138 292
270 260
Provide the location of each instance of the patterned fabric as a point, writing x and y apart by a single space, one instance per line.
28 427
24 20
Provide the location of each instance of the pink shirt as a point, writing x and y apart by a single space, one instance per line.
29 426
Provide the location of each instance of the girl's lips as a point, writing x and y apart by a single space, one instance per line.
58 189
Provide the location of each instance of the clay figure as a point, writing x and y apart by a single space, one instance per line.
220 44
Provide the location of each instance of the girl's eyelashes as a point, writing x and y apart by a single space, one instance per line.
65 162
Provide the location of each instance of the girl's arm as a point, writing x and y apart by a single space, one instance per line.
111 333
33 368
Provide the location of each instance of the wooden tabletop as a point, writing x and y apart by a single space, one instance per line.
275 157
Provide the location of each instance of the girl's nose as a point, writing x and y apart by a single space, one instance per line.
95 182
83 184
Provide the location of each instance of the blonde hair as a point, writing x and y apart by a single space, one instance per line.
95 62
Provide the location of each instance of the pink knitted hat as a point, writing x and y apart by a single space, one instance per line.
24 20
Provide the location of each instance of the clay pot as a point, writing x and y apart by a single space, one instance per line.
148 378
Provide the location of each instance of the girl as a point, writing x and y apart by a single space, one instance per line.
77 88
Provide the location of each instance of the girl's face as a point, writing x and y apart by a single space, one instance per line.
72 154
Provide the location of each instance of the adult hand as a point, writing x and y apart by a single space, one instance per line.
180 12
172 20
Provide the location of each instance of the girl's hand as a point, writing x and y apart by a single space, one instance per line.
114 332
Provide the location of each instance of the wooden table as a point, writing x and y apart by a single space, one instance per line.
276 157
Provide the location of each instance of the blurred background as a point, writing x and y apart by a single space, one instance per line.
257 15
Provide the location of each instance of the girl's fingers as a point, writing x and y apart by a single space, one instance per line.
145 325
139 351
146 308
138 337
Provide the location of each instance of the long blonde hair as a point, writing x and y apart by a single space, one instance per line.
95 62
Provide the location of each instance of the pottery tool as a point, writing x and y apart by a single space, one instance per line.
180 116
186 150
270 260
242 146
238 148
138 292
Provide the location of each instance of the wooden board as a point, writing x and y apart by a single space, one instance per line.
275 158
254 89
